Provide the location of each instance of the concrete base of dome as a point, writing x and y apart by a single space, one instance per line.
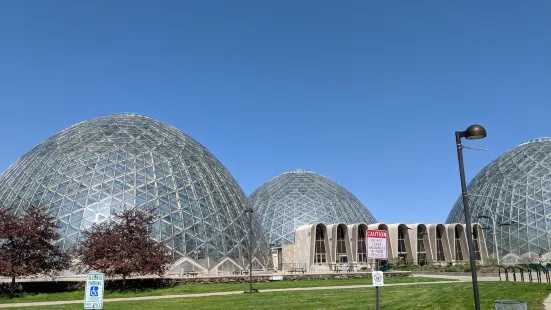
340 247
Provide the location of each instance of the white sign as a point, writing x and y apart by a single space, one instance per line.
376 244
378 278
93 294
275 259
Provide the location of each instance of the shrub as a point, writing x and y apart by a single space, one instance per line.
124 248
27 243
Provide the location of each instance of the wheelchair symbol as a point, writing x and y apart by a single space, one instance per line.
94 291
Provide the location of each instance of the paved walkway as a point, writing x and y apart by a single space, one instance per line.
53 303
547 303
459 278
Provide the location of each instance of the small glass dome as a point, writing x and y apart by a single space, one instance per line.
301 197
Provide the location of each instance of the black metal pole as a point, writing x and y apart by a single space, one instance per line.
467 219
250 211
377 303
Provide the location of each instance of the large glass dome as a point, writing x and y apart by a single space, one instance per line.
515 189
301 197
89 171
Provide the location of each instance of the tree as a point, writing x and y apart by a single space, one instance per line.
124 248
27 243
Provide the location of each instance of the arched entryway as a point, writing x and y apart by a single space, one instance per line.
361 245
320 246
341 251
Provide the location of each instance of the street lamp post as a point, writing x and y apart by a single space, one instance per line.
250 212
494 232
472 133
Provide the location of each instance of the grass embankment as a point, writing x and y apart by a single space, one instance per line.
430 296
192 288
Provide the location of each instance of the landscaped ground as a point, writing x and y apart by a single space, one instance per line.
427 296
206 288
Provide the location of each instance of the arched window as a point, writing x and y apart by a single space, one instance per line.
342 256
362 255
458 251
476 244
319 255
402 251
421 252
439 246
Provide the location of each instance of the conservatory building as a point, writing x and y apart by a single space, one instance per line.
323 247
89 172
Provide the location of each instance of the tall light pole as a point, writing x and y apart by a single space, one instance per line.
472 133
250 212
494 232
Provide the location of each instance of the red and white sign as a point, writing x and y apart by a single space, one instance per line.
376 244
378 278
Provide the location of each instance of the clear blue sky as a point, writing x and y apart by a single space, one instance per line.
368 93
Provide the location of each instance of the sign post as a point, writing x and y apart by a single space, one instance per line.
377 249
93 293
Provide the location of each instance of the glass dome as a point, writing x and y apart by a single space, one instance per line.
89 171
515 190
301 197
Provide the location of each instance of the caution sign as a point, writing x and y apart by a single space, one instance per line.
376 244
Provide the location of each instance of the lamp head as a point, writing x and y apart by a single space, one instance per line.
474 132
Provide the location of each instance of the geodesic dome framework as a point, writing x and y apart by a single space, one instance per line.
515 189
89 171
301 197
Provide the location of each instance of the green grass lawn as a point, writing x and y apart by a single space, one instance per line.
205 288
431 296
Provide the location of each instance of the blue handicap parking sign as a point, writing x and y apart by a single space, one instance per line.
94 291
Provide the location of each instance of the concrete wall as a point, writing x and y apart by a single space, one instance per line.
393 231
353 240
332 234
416 230
304 245
288 254
433 232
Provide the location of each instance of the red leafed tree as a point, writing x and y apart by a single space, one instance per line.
27 243
124 248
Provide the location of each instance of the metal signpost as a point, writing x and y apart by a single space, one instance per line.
376 249
93 294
